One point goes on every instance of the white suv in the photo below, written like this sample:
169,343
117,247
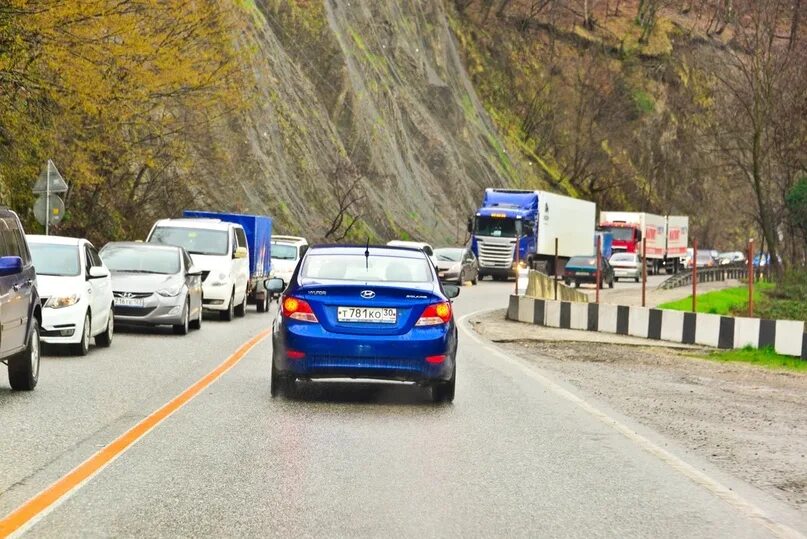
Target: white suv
219,250
286,252
76,291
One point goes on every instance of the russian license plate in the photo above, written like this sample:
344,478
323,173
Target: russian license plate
583,273
130,302
371,315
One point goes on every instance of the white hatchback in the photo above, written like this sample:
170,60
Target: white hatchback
76,291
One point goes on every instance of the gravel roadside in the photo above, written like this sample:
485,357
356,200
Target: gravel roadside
747,420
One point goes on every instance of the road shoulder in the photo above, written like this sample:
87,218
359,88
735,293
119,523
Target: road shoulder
747,421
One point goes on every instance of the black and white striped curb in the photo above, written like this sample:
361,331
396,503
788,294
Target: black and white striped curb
786,336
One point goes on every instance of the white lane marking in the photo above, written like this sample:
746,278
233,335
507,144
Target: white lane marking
745,507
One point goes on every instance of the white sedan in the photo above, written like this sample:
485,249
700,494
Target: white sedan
76,291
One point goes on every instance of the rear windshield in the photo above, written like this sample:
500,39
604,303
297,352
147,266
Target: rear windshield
375,268
133,259
196,241
284,252
51,259
623,258
582,261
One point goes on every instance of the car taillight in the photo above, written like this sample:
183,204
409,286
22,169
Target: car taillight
435,314
298,309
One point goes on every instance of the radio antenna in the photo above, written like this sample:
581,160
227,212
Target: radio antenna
367,254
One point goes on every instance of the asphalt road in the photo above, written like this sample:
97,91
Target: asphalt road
518,453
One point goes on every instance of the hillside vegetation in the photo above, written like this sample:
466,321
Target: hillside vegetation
354,120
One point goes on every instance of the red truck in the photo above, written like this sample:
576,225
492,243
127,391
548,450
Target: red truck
666,237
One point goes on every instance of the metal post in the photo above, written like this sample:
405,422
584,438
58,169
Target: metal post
751,277
555,270
598,277
518,251
47,199
644,273
695,275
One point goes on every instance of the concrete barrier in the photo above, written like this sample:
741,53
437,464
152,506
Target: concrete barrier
786,336
543,287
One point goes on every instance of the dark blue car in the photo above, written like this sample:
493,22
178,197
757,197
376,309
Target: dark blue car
365,312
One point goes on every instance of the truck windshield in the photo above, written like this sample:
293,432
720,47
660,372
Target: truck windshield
621,233
496,226
196,241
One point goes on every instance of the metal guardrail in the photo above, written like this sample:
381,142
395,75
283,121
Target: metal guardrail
708,275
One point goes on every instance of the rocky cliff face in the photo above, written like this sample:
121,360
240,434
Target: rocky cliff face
363,107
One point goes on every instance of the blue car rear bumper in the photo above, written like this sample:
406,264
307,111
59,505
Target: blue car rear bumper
387,357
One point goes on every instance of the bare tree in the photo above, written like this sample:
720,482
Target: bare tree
347,187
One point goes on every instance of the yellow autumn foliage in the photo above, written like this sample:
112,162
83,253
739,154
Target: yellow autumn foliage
119,94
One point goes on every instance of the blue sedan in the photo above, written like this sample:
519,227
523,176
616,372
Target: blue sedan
365,312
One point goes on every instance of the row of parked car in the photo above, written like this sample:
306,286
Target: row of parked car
65,293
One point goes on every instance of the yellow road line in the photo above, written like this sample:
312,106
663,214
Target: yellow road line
36,507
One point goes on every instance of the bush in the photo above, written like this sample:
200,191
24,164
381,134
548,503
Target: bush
788,300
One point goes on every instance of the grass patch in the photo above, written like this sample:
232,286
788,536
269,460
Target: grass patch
762,357
724,302
788,300
644,101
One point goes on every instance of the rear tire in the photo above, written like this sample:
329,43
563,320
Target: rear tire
444,391
636,279
83,347
23,368
229,314
280,384
611,283
104,340
241,310
577,284
182,329
262,305
475,280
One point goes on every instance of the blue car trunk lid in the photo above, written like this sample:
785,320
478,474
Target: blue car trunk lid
408,299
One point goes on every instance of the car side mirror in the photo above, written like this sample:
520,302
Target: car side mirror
10,265
97,272
275,285
240,252
451,290
470,225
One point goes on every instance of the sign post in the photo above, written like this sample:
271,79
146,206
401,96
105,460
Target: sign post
695,275
598,277
751,278
518,251
50,183
555,270
644,273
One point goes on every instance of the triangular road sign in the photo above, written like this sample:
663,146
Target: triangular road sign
50,175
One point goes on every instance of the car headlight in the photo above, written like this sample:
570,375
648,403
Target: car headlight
57,302
170,292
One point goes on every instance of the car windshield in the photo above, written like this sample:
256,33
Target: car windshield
448,255
497,227
141,259
582,262
197,241
379,268
704,256
621,233
623,258
282,251
52,259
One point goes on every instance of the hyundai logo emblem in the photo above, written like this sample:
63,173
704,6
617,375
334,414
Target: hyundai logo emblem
368,294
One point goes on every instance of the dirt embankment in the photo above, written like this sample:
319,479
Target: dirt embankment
749,421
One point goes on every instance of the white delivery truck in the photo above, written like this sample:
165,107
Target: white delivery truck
677,242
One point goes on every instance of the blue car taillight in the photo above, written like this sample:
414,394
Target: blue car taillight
435,314
298,309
